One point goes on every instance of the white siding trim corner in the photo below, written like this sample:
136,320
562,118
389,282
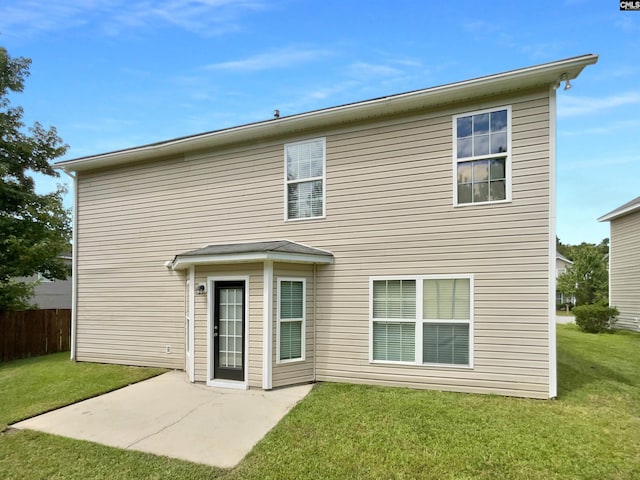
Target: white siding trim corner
267,314
553,357
74,269
191,333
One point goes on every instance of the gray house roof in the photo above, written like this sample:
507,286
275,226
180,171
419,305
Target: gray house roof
277,250
559,256
627,208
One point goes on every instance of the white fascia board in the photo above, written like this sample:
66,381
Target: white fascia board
619,213
186,262
539,75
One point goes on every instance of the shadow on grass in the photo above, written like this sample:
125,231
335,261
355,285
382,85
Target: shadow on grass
579,373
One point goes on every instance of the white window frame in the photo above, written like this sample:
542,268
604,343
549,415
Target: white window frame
303,332
456,160
287,182
420,321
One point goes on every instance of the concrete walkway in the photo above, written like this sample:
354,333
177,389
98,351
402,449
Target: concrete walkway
167,415
565,319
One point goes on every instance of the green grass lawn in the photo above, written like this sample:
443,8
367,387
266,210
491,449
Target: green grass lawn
347,431
36,385
592,431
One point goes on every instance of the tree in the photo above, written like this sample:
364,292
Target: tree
563,249
34,229
588,278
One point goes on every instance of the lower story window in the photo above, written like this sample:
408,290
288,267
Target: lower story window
291,319
394,341
422,320
445,343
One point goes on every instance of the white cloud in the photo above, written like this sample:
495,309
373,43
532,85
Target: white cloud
277,59
626,24
203,17
573,106
365,71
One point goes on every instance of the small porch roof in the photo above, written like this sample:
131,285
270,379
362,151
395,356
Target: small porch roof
275,250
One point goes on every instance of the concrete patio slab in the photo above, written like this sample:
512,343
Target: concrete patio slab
167,415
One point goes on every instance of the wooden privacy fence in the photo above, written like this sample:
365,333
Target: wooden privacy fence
30,333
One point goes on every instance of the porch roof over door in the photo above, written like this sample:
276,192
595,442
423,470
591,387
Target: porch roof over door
275,250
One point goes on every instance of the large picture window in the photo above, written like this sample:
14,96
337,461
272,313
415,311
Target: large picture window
422,320
291,319
482,156
305,179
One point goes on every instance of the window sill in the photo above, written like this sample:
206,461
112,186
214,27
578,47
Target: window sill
305,219
291,360
427,365
496,202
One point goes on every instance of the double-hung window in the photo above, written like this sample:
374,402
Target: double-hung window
305,179
482,156
394,320
422,320
446,317
291,319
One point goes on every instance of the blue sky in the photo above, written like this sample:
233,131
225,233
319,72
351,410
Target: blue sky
112,74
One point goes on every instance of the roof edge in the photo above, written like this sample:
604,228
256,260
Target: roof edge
626,209
551,73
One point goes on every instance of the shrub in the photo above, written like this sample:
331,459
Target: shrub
595,318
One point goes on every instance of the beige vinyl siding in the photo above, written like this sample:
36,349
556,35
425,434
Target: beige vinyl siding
389,206
625,270
294,372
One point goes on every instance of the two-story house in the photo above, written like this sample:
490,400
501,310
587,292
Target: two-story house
407,240
624,263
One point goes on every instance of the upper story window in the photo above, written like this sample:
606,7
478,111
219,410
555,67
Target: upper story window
305,179
482,156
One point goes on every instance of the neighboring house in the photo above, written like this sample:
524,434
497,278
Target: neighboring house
624,263
419,251
52,294
562,263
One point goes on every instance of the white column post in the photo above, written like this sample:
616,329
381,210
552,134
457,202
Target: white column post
267,319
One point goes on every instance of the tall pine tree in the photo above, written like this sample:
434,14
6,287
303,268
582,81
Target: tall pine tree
34,229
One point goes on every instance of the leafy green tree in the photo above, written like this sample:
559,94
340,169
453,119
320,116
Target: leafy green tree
563,249
34,229
588,278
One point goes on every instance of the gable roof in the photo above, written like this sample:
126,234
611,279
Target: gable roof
277,250
549,74
627,208
559,256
